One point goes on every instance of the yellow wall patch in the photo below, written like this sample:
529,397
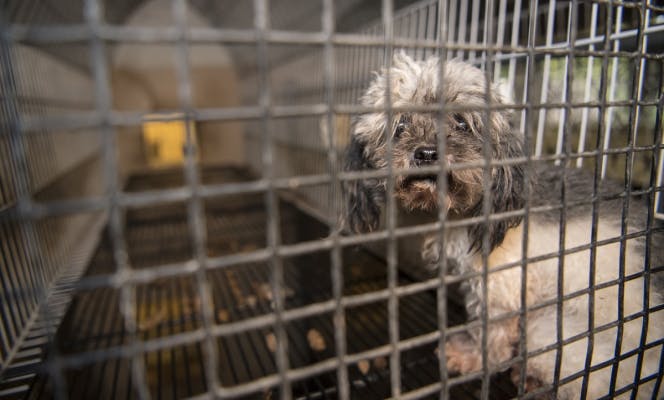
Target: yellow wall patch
164,141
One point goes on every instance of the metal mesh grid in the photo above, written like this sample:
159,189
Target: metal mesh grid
324,106
171,306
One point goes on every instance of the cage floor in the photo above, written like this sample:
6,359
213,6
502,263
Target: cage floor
170,306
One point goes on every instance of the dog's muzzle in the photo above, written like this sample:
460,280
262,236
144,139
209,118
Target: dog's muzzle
423,157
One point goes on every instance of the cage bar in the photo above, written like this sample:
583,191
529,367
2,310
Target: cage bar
231,273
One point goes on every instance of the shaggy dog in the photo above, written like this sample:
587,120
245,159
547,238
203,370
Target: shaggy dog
593,252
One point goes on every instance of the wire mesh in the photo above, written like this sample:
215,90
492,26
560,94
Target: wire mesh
232,281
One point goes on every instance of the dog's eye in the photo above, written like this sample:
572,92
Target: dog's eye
401,126
461,123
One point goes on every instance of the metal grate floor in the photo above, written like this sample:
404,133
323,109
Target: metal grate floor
159,235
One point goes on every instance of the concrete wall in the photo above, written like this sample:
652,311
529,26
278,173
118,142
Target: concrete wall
152,70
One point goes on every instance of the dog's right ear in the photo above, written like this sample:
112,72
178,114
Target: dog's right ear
362,196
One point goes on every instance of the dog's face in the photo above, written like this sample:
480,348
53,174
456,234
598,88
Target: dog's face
413,141
415,145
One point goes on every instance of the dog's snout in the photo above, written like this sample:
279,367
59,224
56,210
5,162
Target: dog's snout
426,155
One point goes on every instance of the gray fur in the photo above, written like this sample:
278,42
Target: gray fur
416,83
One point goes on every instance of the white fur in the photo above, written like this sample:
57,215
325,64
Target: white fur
504,296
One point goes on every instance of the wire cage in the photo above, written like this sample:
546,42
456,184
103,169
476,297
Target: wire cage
171,203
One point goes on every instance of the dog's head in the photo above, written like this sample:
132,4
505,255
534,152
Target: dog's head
468,128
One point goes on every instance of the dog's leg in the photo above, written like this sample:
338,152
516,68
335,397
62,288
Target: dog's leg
464,354
464,350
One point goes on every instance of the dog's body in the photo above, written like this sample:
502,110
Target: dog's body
469,132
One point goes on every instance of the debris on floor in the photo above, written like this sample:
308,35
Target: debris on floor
271,342
150,321
223,315
380,362
363,366
316,340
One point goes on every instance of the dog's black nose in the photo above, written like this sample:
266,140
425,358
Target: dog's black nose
426,155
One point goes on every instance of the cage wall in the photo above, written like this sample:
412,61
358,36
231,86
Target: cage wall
172,197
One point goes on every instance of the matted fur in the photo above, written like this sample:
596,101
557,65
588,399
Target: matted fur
415,83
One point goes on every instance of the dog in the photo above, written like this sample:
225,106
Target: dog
555,284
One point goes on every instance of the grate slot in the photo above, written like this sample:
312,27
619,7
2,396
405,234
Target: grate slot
111,369
194,352
99,334
251,345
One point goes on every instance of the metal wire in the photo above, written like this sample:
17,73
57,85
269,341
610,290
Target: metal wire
637,91
261,22
393,301
103,105
194,203
340,337
441,293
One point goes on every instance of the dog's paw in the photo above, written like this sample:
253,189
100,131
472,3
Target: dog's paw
532,383
462,355
431,252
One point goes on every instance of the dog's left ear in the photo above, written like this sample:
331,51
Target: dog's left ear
362,196
508,186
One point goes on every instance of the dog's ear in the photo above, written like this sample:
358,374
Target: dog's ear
508,187
361,196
